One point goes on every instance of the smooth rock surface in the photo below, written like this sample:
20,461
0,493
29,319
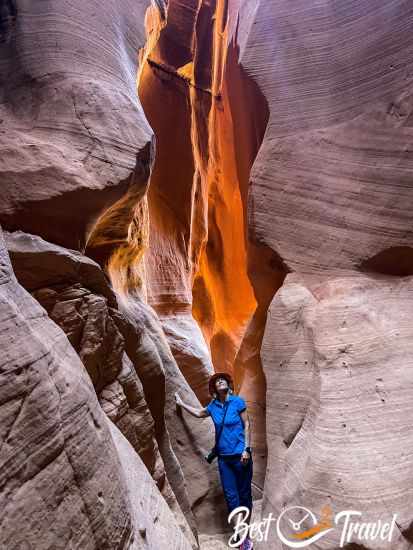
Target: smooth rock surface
61,481
154,524
190,351
183,440
337,355
76,294
331,198
73,136
331,185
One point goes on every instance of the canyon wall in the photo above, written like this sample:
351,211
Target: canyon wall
331,194
65,481
76,156
200,185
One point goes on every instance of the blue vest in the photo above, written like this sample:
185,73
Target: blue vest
232,440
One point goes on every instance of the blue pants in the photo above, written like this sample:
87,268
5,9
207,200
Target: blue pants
236,481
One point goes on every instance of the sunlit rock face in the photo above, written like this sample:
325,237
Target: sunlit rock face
177,196
200,263
331,196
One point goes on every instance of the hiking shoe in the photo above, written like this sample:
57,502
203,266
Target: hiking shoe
247,544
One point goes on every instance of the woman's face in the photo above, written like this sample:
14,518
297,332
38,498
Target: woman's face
221,384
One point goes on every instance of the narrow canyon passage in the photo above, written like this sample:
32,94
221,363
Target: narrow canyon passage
190,186
201,266
184,245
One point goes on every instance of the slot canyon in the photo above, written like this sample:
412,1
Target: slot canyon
192,186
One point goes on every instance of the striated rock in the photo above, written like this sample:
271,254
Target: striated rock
64,283
183,440
87,312
190,352
176,197
330,197
41,264
73,136
196,260
154,524
61,480
337,354
65,482
198,254
331,185
286,189
88,193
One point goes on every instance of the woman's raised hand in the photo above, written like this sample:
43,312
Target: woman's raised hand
178,399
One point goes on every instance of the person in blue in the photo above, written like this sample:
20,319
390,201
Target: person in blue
233,447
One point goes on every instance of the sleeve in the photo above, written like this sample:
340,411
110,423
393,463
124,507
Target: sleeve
208,409
241,404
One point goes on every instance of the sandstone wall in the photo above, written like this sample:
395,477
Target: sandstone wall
64,483
194,186
331,196
76,155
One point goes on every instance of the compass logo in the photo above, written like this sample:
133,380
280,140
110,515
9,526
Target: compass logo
297,526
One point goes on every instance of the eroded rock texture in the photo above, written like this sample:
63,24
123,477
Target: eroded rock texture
176,197
73,137
76,157
281,183
63,481
74,291
331,184
340,379
183,440
78,298
153,521
200,264
331,195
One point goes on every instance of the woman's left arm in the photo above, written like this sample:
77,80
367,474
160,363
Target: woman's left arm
246,455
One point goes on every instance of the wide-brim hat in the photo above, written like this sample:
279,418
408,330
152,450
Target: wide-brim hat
214,377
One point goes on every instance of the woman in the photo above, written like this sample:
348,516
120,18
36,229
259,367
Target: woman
232,442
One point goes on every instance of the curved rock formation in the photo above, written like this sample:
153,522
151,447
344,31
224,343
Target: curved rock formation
334,166
153,521
62,477
73,137
199,256
338,419
88,194
268,235
183,441
176,197
77,297
331,196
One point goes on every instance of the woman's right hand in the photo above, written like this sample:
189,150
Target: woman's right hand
178,399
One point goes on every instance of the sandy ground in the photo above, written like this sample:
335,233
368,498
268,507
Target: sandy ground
219,541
